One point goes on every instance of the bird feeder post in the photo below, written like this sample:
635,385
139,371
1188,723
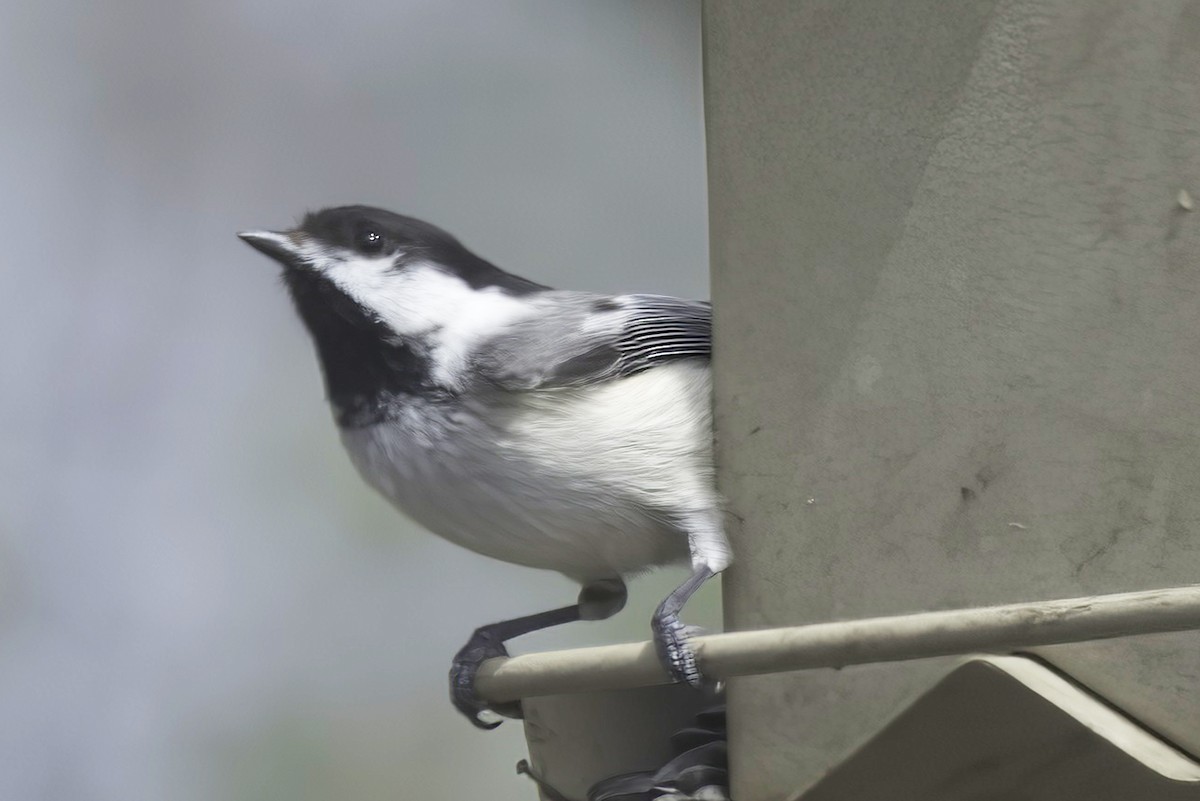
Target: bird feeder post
577,739
957,316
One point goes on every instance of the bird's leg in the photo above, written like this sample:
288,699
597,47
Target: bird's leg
671,636
597,600
488,642
710,555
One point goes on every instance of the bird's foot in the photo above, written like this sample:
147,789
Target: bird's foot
482,646
672,642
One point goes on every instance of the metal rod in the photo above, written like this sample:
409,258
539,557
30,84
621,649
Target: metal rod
994,629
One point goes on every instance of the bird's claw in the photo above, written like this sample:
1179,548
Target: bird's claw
671,641
482,646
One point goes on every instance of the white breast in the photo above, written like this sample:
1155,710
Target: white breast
590,482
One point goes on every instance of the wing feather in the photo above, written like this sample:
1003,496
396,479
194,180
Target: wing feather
662,329
581,339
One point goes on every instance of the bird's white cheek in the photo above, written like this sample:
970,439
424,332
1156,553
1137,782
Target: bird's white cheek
397,297
423,302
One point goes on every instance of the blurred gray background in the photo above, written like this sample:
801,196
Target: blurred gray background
198,598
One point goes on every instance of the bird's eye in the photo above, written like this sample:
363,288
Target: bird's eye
370,241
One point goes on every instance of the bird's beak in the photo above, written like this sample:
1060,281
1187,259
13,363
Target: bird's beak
282,246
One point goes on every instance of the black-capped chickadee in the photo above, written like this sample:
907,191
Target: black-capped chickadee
562,430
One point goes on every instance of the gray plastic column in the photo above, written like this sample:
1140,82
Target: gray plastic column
957,337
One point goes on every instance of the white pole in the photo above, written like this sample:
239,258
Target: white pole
830,645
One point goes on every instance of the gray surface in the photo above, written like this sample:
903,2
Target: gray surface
1002,729
958,336
577,740
199,599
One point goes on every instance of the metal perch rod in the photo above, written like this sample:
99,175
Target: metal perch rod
990,629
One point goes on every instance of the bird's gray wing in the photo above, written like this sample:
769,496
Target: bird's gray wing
579,339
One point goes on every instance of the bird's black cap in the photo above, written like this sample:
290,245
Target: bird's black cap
374,232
